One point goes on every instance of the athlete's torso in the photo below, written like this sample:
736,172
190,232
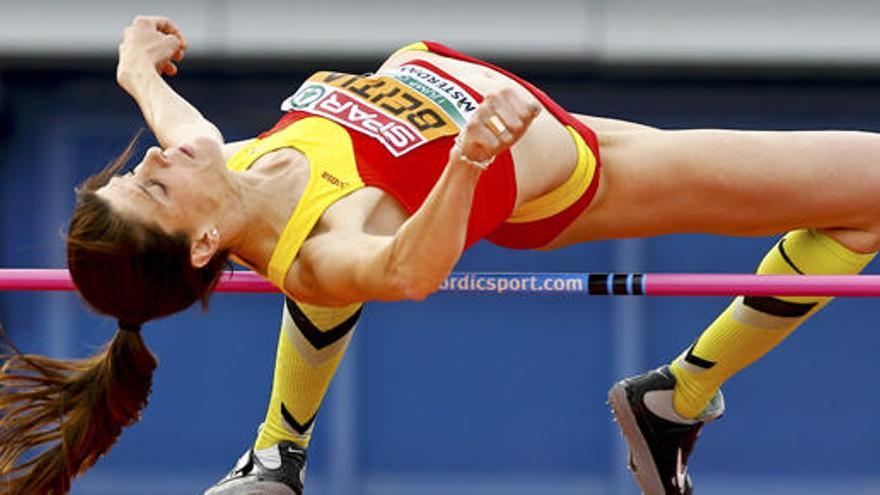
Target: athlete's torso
542,159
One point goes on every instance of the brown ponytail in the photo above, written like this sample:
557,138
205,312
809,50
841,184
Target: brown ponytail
73,410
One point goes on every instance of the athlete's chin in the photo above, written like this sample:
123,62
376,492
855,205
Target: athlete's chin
203,151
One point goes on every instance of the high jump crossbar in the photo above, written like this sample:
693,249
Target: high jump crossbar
648,284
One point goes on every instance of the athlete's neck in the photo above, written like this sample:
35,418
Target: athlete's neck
269,192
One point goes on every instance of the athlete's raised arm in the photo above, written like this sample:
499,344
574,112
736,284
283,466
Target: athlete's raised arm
344,267
150,47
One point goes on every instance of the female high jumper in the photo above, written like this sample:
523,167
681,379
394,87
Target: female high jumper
370,187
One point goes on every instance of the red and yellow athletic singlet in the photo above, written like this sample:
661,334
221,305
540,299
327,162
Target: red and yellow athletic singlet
393,130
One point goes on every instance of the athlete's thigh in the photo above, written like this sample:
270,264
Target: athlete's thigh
604,125
730,182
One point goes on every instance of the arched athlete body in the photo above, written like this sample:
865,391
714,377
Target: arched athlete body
370,187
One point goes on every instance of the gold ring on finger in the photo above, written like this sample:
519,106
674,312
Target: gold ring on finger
495,125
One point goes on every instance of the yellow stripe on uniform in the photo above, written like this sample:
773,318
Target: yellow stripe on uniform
565,195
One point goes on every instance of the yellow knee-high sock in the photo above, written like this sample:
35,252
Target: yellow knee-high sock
751,326
312,342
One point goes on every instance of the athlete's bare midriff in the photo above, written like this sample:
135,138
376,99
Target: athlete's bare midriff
544,157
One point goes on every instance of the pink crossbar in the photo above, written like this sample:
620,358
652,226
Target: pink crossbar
693,284
650,284
59,280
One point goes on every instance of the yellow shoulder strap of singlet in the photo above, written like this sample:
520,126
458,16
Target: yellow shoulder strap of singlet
244,157
333,175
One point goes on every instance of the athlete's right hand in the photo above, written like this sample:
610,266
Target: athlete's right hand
502,118
149,43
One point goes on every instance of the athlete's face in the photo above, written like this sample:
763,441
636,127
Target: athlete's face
180,189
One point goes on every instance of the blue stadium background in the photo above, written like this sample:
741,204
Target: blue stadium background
456,394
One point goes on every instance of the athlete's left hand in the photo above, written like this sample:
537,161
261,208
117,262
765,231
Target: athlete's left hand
149,43
499,122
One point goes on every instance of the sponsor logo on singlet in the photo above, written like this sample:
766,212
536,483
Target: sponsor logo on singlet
326,101
402,111
336,181
307,95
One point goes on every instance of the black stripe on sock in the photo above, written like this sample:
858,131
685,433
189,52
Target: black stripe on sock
696,360
778,307
313,334
637,284
302,429
618,284
597,284
782,252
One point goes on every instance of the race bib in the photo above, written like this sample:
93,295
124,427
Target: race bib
402,109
